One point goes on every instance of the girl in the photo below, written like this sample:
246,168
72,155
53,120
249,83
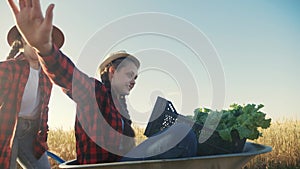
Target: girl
24,97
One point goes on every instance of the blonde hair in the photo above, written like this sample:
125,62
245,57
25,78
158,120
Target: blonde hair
15,49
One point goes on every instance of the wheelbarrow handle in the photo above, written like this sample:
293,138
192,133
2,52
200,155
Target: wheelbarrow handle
55,157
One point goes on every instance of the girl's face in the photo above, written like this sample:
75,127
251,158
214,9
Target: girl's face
123,78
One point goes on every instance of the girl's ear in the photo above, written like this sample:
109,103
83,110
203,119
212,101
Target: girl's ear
111,70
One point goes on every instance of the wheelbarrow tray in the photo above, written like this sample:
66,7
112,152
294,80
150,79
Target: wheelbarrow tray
222,161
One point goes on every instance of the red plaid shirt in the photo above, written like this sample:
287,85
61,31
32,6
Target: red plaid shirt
13,78
98,123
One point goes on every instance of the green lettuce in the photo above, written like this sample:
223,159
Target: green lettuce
245,119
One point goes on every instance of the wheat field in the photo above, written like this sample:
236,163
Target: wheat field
283,137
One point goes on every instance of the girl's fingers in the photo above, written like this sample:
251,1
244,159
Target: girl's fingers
22,4
49,15
36,4
28,3
13,6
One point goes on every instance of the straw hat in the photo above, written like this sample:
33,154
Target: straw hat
116,55
57,36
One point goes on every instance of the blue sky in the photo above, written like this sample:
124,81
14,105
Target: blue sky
257,43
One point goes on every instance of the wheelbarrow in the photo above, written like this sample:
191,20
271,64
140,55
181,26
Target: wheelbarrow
222,161
164,108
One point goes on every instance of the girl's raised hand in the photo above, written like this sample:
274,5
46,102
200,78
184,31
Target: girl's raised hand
34,27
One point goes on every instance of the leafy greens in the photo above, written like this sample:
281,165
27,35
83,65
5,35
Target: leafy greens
245,119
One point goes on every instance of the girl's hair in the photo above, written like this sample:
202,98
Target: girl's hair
117,64
15,48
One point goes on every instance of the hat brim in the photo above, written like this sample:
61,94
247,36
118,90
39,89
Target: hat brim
57,36
116,56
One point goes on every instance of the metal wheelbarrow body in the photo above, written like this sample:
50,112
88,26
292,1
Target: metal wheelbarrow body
223,161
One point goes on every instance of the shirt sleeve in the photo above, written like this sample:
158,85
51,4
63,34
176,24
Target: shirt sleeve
5,78
63,72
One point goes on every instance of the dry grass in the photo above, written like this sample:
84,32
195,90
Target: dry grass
283,137
62,143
